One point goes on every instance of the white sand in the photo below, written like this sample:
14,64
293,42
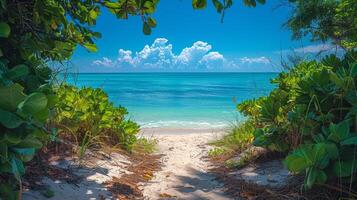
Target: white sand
184,174
94,173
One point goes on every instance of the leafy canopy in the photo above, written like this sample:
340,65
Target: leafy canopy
332,20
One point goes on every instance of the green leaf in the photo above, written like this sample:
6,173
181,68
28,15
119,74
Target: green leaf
315,176
344,168
4,30
26,154
296,163
318,151
90,47
311,177
30,142
353,71
332,150
218,5
24,151
339,131
34,103
321,176
152,22
350,141
10,120
199,4
11,96
17,72
146,29
12,138
93,14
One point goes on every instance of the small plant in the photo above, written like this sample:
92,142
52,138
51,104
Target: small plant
145,145
216,151
238,138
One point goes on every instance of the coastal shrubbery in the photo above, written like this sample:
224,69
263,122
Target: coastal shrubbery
86,116
311,116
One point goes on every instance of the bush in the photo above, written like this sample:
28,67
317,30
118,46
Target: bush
26,100
91,120
312,116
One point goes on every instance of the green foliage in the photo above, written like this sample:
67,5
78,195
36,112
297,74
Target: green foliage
216,151
325,20
312,114
145,145
92,120
238,138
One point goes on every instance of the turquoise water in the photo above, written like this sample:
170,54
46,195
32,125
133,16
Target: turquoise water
191,100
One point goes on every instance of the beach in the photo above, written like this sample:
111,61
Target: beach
185,168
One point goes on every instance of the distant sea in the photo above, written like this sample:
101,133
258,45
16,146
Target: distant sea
176,100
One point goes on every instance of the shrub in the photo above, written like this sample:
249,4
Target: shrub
92,120
26,99
312,115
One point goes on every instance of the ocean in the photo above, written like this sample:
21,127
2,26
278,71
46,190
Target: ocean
179,100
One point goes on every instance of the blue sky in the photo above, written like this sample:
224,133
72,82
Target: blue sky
249,40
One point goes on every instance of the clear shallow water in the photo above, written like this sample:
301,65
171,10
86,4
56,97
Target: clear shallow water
175,100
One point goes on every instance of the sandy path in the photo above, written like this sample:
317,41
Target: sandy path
184,174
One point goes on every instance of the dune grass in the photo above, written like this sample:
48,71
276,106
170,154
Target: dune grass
239,136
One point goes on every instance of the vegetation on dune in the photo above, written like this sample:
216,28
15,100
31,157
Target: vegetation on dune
91,120
311,115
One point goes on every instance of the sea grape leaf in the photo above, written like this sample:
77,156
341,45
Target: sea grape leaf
4,30
344,168
90,47
295,163
199,4
9,119
34,103
152,22
30,142
350,141
17,72
146,28
339,131
10,96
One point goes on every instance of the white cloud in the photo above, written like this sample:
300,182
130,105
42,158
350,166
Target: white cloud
194,53
213,60
106,62
159,55
261,60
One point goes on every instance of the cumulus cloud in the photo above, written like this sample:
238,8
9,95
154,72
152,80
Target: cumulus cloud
106,62
159,55
261,60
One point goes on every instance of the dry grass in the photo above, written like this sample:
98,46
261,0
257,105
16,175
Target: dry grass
142,169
